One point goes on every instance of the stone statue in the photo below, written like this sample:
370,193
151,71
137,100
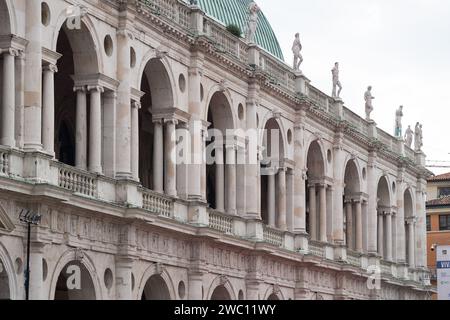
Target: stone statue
296,48
368,98
398,122
418,141
409,136
252,22
336,82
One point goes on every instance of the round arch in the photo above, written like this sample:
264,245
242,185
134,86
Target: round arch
220,106
352,177
8,279
86,262
316,159
223,287
88,58
408,204
275,123
384,192
152,271
273,294
8,20
164,67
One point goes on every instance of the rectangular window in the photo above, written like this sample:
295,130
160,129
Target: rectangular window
443,192
428,223
444,222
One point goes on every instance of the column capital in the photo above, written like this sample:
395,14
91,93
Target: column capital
79,88
171,121
50,68
411,220
136,105
96,88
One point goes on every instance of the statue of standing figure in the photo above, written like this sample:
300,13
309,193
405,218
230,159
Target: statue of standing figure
336,82
296,49
409,136
252,22
418,135
398,122
368,98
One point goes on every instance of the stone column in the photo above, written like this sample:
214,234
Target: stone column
271,198
95,130
9,94
337,216
36,272
158,157
380,234
420,232
20,99
231,179
123,120
48,109
33,79
220,179
281,223
109,133
349,225
290,200
195,286
323,213
184,154
372,205
400,236
411,243
135,107
124,290
170,158
312,213
389,217
359,227
81,129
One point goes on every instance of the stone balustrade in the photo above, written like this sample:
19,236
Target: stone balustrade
317,248
76,180
172,10
221,222
273,236
157,203
354,258
4,162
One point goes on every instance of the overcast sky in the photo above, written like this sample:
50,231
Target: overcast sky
400,47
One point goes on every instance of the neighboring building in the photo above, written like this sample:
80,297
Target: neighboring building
89,109
438,217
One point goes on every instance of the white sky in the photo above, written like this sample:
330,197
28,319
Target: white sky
400,47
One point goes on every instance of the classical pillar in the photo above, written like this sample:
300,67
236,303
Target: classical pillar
95,130
323,213
312,212
299,175
380,234
33,79
358,223
281,223
109,133
389,217
371,221
349,225
124,289
48,109
230,168
81,129
158,157
290,200
411,243
9,94
36,272
220,179
170,158
123,120
20,99
135,106
184,153
195,281
271,198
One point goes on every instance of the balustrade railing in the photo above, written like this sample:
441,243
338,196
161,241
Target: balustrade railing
157,203
224,40
386,268
317,96
317,248
354,258
76,180
173,10
4,162
272,236
221,222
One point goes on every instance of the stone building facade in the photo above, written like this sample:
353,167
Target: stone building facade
96,99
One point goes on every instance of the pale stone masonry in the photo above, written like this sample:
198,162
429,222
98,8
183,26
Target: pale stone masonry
93,113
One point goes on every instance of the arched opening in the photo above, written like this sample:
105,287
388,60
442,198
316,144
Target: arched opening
221,156
352,208
156,289
384,225
317,189
5,21
273,297
409,228
220,293
5,292
72,101
273,176
75,283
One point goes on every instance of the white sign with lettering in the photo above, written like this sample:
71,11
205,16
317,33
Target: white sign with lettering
443,272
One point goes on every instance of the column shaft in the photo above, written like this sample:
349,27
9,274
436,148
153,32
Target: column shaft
281,223
220,180
312,213
271,199
349,224
95,131
158,157
170,160
231,179
411,245
323,213
380,234
135,140
389,237
358,222
9,93
48,109
81,130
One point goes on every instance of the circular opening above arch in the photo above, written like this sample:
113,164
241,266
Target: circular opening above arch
202,92
364,173
289,136
108,278
132,57
45,14
241,295
182,83
109,46
133,281
19,266
44,269
181,290
241,112
329,156
394,187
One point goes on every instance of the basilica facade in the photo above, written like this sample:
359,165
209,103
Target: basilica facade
110,110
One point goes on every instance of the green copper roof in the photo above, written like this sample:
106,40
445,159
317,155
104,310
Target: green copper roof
236,12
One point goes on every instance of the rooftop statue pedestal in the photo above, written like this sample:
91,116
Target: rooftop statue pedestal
338,104
301,83
373,133
253,55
